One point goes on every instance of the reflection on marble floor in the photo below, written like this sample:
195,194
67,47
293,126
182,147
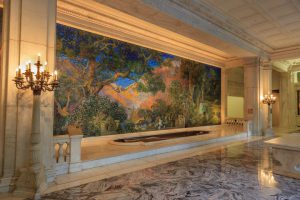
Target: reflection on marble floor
236,172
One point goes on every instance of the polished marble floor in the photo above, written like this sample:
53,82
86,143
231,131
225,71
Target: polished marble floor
234,172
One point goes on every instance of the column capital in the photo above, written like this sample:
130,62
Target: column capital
284,74
224,71
250,61
266,64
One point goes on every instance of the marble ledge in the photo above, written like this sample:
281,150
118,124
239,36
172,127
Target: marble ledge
101,147
288,141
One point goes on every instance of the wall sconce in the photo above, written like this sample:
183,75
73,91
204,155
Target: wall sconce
269,100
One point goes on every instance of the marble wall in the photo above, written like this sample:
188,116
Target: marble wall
235,93
276,92
235,83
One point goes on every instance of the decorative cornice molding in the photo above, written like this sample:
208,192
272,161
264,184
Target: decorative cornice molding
97,18
294,68
286,65
238,62
245,62
281,66
286,53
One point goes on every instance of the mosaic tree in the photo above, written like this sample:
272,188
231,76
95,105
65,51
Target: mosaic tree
96,61
103,60
109,86
203,83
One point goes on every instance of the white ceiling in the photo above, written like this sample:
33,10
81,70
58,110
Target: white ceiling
274,23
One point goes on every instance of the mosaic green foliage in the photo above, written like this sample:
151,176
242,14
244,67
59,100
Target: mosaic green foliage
109,87
94,112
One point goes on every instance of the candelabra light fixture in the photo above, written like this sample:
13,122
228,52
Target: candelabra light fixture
36,77
269,99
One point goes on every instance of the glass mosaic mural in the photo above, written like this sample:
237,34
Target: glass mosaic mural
109,86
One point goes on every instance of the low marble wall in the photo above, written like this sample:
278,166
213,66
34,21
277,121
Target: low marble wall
168,146
286,162
285,153
113,137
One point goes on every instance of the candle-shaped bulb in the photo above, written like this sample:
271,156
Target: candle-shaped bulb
34,70
23,69
19,72
39,56
29,65
45,66
17,69
55,75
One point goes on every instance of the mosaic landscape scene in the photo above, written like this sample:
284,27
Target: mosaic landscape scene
109,86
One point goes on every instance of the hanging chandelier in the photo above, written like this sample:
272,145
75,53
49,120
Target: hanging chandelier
36,77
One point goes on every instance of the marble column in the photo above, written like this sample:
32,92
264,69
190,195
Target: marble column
29,28
224,77
266,88
251,92
291,100
284,98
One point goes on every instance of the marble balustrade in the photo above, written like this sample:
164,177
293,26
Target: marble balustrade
67,153
247,124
